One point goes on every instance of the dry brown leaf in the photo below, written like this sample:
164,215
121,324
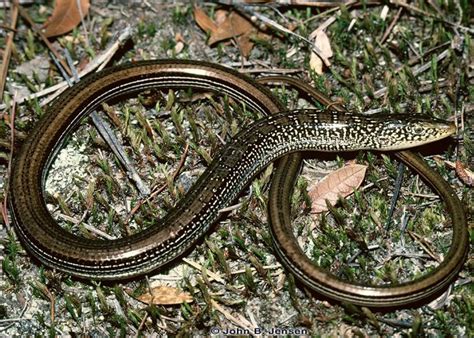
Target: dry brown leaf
233,26
226,26
464,173
66,16
245,44
204,21
341,182
221,16
165,295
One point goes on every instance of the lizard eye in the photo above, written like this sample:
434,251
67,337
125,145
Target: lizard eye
416,129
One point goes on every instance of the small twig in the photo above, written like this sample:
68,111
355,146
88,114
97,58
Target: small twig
395,323
279,27
435,7
210,274
20,317
24,14
242,322
45,291
153,9
106,133
8,50
86,226
272,71
109,137
8,28
416,10
98,63
417,58
396,193
337,9
322,27
424,244
230,208
142,324
61,70
4,208
8,320
427,65
161,188
390,27
422,195
83,23
381,92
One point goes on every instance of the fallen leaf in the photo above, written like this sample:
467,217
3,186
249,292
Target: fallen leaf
384,13
178,37
227,25
322,42
178,48
315,63
340,183
221,16
245,44
165,295
204,21
66,16
464,173
233,26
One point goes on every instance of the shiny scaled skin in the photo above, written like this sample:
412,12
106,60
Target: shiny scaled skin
280,135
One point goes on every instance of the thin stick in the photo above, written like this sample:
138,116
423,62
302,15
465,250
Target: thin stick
8,28
416,71
86,32
4,208
279,27
396,193
107,134
424,13
86,226
24,14
160,189
97,63
390,27
109,137
308,3
272,71
20,317
8,50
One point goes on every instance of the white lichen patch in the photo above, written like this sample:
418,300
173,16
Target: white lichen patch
69,165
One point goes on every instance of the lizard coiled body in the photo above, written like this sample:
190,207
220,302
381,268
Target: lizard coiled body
279,134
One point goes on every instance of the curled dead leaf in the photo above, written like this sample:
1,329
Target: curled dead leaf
204,21
233,26
67,14
466,175
339,183
227,25
165,295
316,61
